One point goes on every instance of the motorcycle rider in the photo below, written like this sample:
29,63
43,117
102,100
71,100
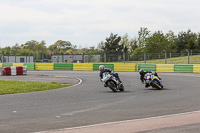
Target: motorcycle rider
103,69
142,75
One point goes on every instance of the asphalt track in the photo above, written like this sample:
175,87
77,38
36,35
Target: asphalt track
91,107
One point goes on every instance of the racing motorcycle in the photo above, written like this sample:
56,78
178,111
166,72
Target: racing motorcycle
112,82
153,81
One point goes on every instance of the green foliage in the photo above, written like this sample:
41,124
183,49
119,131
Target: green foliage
112,44
151,43
143,35
156,43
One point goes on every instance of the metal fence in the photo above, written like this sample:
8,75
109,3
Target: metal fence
187,57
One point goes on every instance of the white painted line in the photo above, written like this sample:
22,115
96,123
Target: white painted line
80,81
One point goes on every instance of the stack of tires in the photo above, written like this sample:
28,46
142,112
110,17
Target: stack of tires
14,70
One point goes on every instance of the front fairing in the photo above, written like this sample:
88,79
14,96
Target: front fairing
149,78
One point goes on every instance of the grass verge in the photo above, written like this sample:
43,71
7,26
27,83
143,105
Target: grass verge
11,87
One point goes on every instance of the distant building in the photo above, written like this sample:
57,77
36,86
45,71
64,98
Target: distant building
74,58
17,59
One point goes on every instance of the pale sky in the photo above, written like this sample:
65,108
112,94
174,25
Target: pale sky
88,22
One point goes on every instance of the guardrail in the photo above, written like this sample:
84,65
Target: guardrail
188,68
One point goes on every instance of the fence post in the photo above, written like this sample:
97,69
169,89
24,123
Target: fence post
124,57
144,56
165,56
188,56
15,57
88,57
104,57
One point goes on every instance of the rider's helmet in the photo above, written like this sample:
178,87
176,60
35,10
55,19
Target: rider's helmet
101,68
141,72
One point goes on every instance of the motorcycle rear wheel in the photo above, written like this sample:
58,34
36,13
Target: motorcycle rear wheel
111,85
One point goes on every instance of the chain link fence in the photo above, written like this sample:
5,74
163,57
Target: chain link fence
185,57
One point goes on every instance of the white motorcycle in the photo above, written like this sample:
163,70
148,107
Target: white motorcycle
112,82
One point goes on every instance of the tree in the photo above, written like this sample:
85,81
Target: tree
171,46
144,33
133,44
101,45
60,47
30,44
15,49
156,43
112,44
6,50
186,40
125,43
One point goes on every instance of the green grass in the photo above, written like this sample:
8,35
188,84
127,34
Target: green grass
11,87
195,59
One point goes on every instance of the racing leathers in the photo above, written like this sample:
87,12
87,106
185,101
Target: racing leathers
142,76
110,72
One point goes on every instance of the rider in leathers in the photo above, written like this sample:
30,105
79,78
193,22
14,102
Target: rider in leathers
103,69
142,74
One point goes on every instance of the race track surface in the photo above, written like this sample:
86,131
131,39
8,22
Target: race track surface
89,103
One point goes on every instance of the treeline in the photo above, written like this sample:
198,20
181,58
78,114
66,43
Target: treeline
150,42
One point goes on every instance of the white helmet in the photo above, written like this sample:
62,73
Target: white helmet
101,67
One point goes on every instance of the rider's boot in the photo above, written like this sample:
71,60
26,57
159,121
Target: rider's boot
146,85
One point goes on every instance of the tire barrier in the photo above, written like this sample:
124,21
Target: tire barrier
14,70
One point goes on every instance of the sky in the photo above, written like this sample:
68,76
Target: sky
86,23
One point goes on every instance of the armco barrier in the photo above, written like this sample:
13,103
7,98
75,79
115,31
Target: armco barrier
190,68
83,67
183,68
196,68
164,67
30,66
7,64
147,67
18,64
96,66
125,67
63,66
44,66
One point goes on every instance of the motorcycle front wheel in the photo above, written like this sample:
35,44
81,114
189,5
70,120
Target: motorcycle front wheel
121,88
157,84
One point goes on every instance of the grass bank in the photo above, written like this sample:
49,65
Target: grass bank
11,87
194,59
